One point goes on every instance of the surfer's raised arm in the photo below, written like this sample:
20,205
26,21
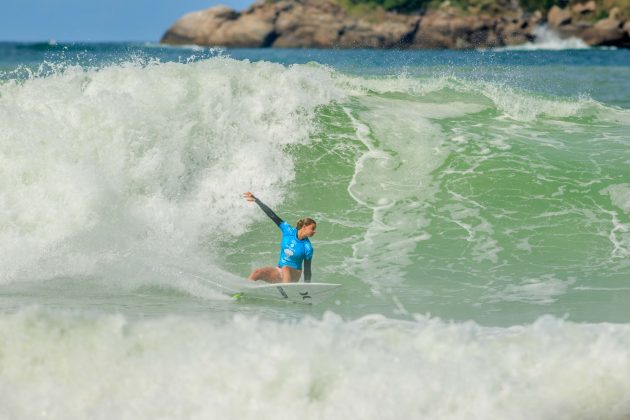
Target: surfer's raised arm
273,216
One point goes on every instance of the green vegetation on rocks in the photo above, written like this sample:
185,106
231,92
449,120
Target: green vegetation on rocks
475,6
396,5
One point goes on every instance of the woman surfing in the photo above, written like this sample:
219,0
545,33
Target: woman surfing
295,249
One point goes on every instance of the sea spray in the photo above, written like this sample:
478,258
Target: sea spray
132,158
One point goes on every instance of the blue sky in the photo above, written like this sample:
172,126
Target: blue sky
96,20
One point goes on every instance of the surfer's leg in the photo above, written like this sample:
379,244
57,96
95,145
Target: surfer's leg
290,275
268,274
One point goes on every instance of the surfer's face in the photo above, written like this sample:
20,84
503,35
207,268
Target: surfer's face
309,230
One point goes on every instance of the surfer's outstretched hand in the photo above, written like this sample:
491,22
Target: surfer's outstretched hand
249,196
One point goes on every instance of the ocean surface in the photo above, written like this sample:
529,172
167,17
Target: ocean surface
475,205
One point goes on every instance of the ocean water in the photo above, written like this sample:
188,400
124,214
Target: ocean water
474,205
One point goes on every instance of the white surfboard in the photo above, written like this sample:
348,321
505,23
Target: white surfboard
305,293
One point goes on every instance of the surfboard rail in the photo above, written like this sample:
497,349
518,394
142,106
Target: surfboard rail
303,293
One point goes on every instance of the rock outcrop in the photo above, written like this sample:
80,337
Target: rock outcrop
326,24
578,22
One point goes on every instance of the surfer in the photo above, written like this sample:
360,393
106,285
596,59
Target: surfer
295,248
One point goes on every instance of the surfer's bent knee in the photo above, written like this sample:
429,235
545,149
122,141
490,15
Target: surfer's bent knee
268,274
290,274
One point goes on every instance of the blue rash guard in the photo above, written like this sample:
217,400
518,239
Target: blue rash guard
293,250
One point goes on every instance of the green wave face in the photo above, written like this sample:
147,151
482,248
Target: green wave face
462,198
468,199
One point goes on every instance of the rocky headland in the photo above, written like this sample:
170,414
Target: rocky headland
331,24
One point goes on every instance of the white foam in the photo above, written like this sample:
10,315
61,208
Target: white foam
393,179
619,234
542,290
522,106
619,195
547,39
479,231
74,366
400,83
514,103
524,245
133,159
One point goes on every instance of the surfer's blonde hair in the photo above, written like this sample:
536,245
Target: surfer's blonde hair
306,221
